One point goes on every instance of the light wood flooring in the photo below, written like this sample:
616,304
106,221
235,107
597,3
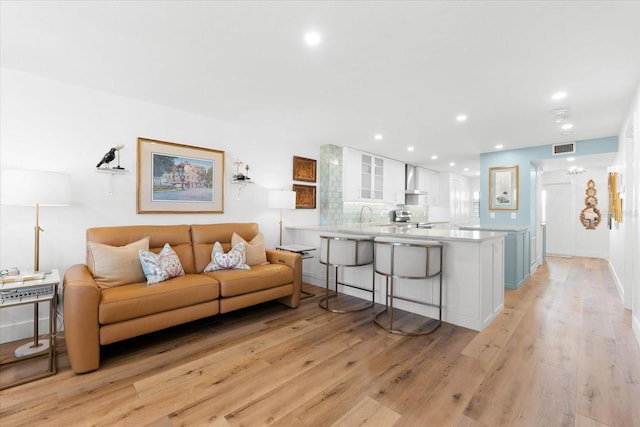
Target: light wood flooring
561,353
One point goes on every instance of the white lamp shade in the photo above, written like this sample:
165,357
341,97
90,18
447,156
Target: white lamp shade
31,187
282,199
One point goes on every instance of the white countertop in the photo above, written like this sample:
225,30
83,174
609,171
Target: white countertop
389,230
505,228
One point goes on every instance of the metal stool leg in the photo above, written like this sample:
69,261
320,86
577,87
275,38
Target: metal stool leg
390,280
324,302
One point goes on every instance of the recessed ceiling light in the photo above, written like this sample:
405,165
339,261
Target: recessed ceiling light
465,169
499,147
461,118
571,159
434,157
378,136
558,96
452,164
410,148
566,126
313,38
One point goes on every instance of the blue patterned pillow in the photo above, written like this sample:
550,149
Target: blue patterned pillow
232,260
161,267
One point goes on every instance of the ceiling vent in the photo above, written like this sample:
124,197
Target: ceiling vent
566,148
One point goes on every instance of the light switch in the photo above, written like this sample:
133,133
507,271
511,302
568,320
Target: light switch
513,215
492,215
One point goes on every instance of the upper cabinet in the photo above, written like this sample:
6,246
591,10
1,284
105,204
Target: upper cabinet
394,183
429,181
367,177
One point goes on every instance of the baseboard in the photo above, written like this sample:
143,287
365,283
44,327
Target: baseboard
21,330
618,284
635,325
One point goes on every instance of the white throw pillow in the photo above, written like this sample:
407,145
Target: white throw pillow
162,266
232,260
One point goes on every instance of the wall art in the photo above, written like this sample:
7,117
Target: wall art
177,178
503,188
304,169
305,196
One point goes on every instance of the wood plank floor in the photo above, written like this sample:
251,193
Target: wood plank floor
560,354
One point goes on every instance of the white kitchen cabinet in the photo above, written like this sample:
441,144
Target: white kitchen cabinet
367,177
394,181
429,181
460,198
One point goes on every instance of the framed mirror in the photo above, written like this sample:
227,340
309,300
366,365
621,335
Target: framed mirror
590,216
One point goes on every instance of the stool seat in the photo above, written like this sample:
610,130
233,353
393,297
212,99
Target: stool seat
339,250
402,258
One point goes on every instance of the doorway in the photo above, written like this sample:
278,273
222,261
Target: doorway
559,219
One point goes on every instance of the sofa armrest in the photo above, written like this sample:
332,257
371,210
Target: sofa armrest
294,261
81,329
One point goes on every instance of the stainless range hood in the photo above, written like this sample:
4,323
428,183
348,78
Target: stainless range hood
412,181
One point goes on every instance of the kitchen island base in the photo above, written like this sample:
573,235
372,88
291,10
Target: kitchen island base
473,279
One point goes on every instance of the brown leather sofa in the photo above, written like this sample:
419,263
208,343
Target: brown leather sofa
95,316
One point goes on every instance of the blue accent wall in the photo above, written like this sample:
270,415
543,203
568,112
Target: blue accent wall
527,204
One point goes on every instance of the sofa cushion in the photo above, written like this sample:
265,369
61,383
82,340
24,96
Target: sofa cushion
160,267
116,265
254,249
138,300
232,260
238,282
178,236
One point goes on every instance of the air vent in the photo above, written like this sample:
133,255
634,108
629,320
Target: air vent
567,148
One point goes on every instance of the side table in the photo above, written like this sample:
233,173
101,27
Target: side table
14,291
304,251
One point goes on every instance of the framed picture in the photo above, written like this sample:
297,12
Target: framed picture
503,188
305,196
177,178
304,169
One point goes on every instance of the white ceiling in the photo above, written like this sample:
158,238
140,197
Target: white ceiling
402,69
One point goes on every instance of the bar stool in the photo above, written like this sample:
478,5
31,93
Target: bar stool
397,258
345,250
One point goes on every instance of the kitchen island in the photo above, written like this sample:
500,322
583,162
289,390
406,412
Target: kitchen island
473,271
517,252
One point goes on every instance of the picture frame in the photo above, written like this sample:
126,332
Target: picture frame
304,169
305,196
503,188
177,178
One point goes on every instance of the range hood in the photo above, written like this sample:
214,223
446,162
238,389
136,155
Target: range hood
412,181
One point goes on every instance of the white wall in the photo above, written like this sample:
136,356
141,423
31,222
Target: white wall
586,243
49,125
624,238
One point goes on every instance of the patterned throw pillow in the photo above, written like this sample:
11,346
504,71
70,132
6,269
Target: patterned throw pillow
232,260
161,267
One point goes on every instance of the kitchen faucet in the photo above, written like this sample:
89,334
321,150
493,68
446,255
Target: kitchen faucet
362,213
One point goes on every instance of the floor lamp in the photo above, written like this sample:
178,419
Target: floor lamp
35,188
282,199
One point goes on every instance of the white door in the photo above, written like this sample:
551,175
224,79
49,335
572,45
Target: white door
559,218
